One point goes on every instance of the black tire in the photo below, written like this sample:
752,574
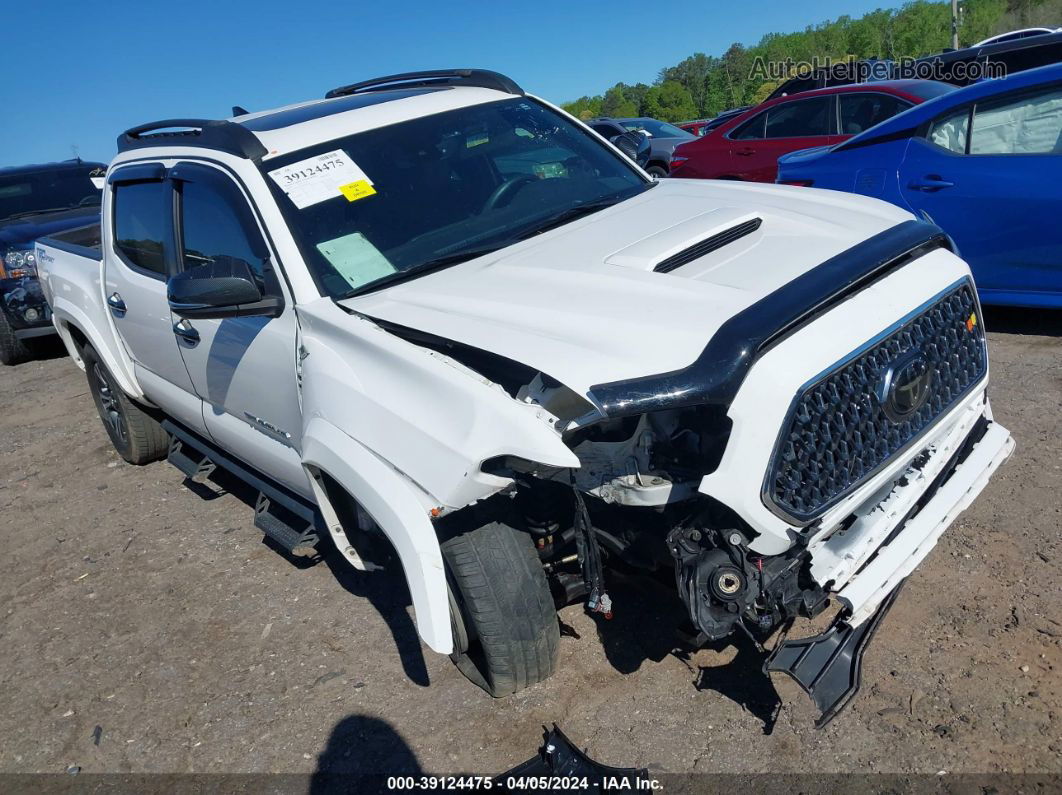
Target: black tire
657,172
506,635
135,434
12,349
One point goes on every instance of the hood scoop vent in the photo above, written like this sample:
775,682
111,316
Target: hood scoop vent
708,245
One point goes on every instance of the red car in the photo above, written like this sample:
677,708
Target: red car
748,146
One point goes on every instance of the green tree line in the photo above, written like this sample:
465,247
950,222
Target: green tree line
703,85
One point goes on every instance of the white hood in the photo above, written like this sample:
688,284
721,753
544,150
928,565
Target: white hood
582,304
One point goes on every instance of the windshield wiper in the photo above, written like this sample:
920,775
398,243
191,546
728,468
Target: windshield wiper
430,266
577,211
566,216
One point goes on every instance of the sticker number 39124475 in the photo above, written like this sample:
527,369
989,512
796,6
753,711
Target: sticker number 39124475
322,177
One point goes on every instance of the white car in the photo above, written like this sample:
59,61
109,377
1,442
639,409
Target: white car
1015,35
439,321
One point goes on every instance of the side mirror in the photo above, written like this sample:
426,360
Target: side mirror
225,287
635,145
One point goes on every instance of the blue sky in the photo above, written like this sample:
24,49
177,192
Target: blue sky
78,73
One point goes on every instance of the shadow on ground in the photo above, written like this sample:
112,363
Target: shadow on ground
361,753
1019,320
645,627
385,589
743,681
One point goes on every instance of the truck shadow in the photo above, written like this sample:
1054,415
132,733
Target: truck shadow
645,627
385,590
743,681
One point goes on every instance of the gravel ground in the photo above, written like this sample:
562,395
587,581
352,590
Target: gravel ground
148,628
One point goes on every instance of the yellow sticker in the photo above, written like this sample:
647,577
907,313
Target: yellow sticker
357,190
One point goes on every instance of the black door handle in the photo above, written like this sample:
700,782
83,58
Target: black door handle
117,305
186,331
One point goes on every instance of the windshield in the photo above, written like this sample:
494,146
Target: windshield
52,189
657,129
395,202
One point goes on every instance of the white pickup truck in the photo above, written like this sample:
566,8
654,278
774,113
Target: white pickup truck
437,321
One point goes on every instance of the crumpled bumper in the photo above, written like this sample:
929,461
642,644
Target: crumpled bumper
910,520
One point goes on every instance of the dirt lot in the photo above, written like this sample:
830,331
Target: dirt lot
145,628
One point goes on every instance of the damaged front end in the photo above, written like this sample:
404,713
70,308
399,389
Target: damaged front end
763,494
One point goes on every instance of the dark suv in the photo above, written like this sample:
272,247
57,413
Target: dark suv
36,201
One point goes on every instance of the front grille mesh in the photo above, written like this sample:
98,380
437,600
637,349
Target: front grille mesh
837,434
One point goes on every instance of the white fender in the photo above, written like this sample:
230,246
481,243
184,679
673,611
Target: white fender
66,315
394,505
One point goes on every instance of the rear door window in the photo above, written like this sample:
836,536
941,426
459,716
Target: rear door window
950,131
801,118
142,213
750,130
861,111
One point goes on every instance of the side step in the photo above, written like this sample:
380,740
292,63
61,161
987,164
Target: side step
286,518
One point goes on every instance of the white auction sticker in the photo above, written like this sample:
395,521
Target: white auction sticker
323,177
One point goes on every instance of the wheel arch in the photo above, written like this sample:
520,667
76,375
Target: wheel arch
76,331
397,507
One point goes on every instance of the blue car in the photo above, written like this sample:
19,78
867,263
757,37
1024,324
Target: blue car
984,163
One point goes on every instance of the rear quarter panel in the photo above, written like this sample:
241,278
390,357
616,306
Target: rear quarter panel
72,283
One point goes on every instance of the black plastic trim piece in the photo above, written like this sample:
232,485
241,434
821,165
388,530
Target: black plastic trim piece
717,374
480,78
34,331
139,172
559,759
218,135
708,245
828,667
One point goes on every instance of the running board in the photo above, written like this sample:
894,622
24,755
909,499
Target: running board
828,666
289,520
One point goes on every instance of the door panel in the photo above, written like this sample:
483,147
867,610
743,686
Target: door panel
1001,207
135,284
244,368
784,128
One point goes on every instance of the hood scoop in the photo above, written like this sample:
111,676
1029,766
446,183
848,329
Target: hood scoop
675,246
708,245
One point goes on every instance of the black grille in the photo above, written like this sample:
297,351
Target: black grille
708,245
838,433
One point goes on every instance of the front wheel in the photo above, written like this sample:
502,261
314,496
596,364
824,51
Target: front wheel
135,434
506,635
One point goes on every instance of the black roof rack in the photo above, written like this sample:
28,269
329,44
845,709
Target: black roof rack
221,136
480,78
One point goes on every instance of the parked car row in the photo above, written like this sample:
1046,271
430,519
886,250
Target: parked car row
1013,52
442,325
747,145
983,162
663,138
